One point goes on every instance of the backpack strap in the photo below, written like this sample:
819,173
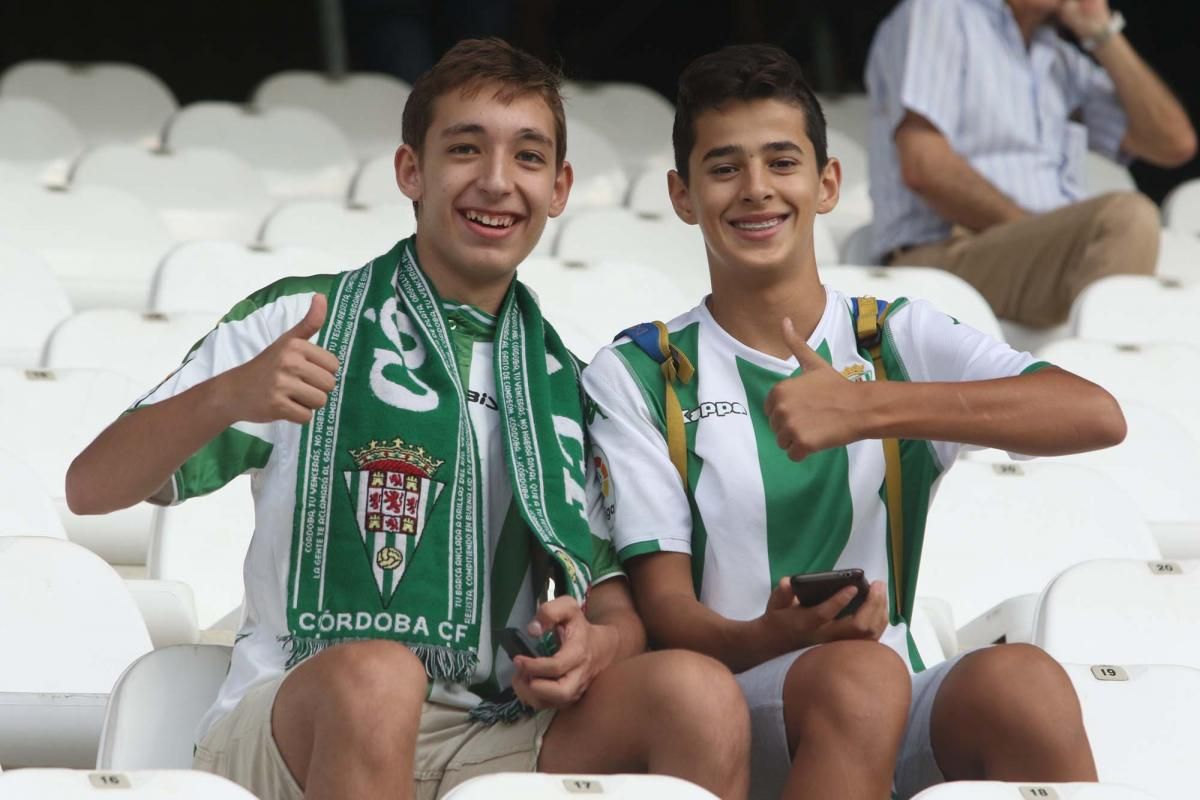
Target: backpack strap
869,315
652,339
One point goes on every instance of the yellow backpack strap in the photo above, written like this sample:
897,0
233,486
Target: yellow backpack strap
869,315
652,338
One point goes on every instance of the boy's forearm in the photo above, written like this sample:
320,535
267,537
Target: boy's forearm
684,622
1047,413
133,458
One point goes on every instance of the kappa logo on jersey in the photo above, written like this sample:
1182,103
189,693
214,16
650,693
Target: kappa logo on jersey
482,398
393,492
717,409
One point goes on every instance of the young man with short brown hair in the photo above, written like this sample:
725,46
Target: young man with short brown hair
415,432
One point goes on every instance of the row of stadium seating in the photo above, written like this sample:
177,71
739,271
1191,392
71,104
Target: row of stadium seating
106,288
95,697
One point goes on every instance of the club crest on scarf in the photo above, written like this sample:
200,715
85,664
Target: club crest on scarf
392,493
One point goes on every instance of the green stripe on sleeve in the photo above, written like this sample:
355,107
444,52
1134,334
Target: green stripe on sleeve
639,549
228,455
1036,366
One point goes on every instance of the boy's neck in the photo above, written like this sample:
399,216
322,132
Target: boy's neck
452,284
752,311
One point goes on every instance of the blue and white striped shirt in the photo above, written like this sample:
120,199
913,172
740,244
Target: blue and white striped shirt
1021,117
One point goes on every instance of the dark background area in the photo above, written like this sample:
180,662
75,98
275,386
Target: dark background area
221,49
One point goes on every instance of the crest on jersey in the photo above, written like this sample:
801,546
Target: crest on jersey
393,493
856,373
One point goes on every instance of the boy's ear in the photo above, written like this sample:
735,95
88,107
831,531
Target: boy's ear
681,199
830,187
564,179
408,172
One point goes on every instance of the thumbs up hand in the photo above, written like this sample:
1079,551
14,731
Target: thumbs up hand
288,380
816,409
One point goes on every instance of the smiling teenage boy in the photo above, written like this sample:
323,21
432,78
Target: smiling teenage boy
785,472
399,525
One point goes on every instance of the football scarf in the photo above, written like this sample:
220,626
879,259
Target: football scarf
388,536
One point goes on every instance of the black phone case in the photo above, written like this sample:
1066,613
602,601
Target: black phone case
815,588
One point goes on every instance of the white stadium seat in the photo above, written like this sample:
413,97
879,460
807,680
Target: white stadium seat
107,102
1143,723
203,544
168,609
849,113
37,139
1178,256
600,179
1181,208
366,106
61,411
78,628
996,532
351,235
26,507
539,786
1101,174
102,244
1158,464
31,305
1163,375
998,790
648,193
200,193
597,299
611,109
615,234
66,784
147,347
213,276
156,705
1118,611
299,153
1135,309
375,183
949,293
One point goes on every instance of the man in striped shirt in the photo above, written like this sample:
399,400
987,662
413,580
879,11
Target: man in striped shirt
980,116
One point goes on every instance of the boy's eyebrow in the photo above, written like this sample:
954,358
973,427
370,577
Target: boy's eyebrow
783,146
474,128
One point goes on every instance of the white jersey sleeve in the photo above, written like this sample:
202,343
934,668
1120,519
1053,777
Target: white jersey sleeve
644,505
935,347
240,336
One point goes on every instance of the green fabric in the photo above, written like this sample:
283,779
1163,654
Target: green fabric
389,495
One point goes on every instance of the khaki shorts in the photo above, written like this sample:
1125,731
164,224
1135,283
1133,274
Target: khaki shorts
451,748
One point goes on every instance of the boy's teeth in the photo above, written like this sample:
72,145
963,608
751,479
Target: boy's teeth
490,220
759,226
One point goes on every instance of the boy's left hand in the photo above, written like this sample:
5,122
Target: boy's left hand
816,409
584,651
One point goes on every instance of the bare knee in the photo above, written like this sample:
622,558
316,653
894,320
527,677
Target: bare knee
848,688
1013,686
371,688
698,687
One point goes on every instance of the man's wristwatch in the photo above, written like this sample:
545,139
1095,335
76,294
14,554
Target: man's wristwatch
1116,24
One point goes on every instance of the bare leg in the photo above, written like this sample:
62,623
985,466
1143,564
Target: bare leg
670,712
346,720
845,707
1010,713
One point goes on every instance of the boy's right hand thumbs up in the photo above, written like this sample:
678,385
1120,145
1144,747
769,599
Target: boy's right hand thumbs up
290,379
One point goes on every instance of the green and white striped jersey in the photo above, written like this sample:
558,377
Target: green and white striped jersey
750,515
269,452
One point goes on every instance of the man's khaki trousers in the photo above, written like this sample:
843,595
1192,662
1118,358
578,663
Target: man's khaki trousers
1031,270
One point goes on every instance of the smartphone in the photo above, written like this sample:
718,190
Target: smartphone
814,588
516,642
